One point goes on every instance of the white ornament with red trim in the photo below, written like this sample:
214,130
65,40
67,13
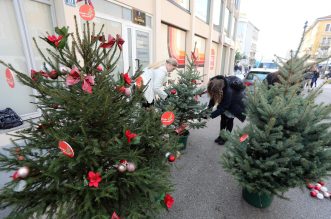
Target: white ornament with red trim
121,168
23,172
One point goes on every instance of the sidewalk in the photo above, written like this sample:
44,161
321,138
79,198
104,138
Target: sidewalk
204,190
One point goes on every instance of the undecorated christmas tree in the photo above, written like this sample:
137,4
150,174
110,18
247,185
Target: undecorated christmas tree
287,140
95,153
183,100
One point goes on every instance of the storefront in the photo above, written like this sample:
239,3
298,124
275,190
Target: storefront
152,30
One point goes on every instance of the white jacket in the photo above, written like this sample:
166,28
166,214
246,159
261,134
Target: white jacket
154,79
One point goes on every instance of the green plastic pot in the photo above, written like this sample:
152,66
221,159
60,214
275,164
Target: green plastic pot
257,200
183,140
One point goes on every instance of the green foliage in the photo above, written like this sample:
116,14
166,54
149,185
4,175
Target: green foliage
94,124
182,100
289,137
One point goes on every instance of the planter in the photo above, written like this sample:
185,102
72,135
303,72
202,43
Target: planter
183,140
257,200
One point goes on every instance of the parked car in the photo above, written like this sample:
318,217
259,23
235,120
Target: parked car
257,75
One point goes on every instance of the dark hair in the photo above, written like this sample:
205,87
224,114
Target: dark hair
272,78
215,89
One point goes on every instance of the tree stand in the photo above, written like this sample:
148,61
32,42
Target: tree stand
183,140
257,200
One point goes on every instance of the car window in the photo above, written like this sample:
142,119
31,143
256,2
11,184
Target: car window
256,75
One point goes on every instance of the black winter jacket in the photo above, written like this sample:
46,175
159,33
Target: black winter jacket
232,101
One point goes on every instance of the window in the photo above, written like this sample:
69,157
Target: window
237,4
226,20
217,15
328,28
217,12
202,9
113,28
172,44
16,29
200,53
185,4
233,22
213,59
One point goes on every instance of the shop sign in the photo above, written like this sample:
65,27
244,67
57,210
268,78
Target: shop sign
138,17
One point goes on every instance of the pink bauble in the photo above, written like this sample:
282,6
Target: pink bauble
127,91
131,167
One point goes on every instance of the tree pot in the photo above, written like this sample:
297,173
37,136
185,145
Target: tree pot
257,200
183,140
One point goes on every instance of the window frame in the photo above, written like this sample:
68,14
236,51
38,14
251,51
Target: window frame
328,28
181,7
27,42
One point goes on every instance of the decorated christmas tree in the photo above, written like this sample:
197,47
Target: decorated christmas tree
287,140
183,99
95,153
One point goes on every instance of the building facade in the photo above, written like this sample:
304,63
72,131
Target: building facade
152,30
247,37
317,39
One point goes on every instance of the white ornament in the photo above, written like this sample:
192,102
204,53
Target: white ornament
320,196
167,154
324,189
23,172
130,167
326,194
121,168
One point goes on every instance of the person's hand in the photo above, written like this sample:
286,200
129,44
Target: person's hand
213,114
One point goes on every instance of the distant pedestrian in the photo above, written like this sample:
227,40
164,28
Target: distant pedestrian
227,102
315,75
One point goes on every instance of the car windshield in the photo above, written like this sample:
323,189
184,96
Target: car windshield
268,65
256,75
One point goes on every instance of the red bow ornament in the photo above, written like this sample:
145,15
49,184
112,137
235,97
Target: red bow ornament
119,41
88,83
109,44
75,76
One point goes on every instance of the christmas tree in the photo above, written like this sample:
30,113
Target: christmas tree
183,99
286,142
95,153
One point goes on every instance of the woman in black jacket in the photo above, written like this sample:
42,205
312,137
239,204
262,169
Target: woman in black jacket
228,102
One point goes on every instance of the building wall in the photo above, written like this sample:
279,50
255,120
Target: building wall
313,44
191,26
247,38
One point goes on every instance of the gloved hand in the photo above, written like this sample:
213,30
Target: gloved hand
214,114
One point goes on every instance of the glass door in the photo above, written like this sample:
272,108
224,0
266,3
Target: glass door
138,48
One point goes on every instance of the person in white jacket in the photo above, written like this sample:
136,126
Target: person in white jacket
155,76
